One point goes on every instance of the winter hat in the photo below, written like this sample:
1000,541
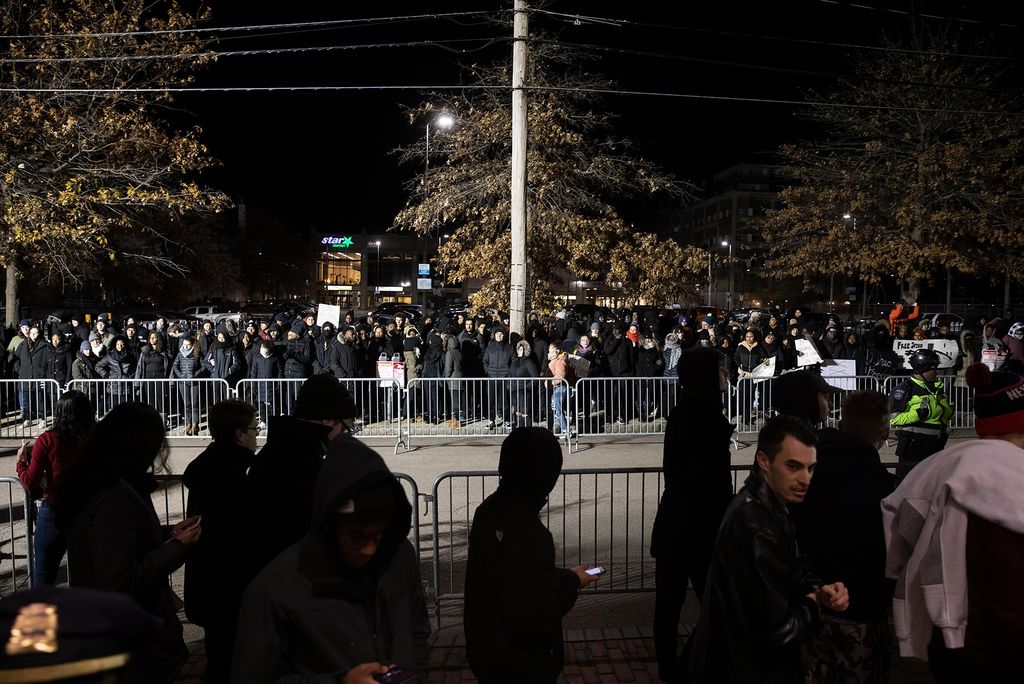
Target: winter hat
698,371
323,397
998,400
671,338
94,336
299,328
710,320
102,317
377,499
24,321
84,347
273,327
595,327
796,394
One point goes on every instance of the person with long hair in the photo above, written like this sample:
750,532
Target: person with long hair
103,505
41,464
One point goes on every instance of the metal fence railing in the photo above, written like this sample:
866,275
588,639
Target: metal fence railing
26,406
752,402
181,403
598,516
478,407
16,552
623,406
378,402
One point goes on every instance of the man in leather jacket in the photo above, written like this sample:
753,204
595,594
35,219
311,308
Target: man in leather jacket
761,600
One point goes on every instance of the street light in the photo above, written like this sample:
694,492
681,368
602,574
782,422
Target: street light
444,122
376,243
728,297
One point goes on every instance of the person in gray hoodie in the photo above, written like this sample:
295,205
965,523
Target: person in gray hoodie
345,601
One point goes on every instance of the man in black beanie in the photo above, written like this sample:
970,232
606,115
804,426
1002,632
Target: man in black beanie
515,595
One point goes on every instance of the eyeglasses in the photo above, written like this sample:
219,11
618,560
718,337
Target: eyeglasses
254,428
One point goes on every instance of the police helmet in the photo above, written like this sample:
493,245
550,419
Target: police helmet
924,360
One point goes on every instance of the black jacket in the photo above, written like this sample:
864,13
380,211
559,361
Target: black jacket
214,581
497,359
115,543
453,359
153,364
309,617
433,358
265,367
755,612
285,471
839,523
223,361
55,364
748,358
472,354
30,359
515,594
698,482
117,365
298,357
621,356
649,363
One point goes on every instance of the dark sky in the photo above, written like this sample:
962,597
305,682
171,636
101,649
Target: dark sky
323,158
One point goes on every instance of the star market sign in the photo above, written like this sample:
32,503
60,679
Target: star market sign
336,242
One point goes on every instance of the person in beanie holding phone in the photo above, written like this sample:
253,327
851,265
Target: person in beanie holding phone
515,594
954,532
343,604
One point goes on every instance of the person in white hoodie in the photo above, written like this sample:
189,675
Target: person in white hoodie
954,532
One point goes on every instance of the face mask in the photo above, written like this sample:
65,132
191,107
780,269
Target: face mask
648,345
265,353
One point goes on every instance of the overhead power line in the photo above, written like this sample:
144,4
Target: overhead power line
254,27
427,87
923,15
443,44
579,19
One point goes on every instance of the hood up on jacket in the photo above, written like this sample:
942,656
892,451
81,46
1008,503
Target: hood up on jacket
350,469
530,463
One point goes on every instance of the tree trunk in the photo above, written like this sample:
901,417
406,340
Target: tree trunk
11,295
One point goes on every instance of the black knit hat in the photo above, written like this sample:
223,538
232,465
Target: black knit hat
998,400
323,397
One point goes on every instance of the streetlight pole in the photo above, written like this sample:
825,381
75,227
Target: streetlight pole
709,278
850,217
728,297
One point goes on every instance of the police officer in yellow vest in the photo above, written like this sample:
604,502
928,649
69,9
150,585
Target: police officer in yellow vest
920,410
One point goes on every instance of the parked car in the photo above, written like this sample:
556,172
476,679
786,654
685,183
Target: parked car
934,320
215,313
387,310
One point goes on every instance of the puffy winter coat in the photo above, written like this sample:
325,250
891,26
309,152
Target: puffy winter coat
153,364
497,359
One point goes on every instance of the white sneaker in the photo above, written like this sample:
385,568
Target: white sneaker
27,424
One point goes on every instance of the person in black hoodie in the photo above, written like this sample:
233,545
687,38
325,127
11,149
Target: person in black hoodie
516,596
524,392
56,361
839,529
265,368
698,489
285,469
103,505
497,360
119,364
154,364
345,602
215,480
433,369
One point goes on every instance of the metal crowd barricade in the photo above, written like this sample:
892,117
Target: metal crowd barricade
961,397
378,402
751,402
26,407
476,407
623,406
16,552
179,402
598,516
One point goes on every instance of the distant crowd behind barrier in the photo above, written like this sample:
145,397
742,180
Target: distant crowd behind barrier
579,375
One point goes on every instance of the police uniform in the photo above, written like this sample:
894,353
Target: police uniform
920,411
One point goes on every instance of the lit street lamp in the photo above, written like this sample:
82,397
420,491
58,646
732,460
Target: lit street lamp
728,296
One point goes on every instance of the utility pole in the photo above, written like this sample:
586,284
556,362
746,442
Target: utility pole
517,291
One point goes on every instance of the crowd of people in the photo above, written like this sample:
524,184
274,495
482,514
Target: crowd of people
797,574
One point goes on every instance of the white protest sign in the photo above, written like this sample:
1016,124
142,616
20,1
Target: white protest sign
328,313
993,358
393,371
947,350
764,371
840,374
806,353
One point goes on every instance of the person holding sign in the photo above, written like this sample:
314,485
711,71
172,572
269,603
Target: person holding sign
920,410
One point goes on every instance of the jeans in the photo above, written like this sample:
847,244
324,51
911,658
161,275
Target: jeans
49,547
558,406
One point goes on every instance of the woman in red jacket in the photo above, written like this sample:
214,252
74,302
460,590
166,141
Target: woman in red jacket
39,467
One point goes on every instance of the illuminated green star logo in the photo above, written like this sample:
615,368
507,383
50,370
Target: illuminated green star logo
346,242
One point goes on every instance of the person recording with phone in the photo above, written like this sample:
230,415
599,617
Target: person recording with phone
516,596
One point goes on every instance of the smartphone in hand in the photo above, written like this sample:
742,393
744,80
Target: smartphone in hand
595,571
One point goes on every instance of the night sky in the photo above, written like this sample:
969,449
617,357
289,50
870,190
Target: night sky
322,159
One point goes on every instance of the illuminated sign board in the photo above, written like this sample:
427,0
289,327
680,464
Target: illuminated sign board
424,284
423,270
336,241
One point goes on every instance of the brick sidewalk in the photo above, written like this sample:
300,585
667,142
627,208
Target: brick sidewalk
592,656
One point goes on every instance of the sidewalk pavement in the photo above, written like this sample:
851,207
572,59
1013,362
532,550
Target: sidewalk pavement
592,656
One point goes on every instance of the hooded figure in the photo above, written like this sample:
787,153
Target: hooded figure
515,595
348,593
698,489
